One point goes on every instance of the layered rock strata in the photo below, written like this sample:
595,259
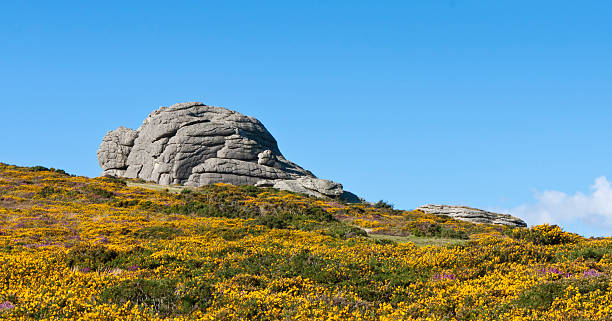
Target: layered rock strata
473,215
194,145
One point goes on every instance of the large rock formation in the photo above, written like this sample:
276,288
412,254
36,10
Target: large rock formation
473,215
193,144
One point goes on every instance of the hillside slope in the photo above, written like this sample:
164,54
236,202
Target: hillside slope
107,249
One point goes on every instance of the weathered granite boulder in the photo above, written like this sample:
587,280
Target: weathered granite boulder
115,149
193,144
473,215
306,185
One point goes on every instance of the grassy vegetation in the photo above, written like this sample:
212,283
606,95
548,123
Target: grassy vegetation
417,240
157,187
108,249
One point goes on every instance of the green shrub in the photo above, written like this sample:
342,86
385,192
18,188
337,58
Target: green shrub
272,221
100,257
200,208
39,169
230,233
100,192
115,181
344,231
589,253
542,296
158,295
197,295
311,266
91,257
454,233
44,169
544,234
250,190
317,213
126,203
384,242
48,191
427,229
384,205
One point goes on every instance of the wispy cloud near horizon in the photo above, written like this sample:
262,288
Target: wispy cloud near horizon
593,209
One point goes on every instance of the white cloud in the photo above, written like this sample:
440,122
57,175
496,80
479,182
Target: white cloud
553,207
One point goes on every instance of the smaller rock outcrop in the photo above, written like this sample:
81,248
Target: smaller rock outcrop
472,215
306,185
114,150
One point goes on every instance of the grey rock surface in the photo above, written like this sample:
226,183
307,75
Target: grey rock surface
193,144
114,150
306,185
473,215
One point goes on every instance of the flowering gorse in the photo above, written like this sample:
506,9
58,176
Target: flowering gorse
75,248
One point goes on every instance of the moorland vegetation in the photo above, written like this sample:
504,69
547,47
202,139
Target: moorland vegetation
109,249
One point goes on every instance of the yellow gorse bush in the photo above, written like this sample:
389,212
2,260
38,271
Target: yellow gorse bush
98,249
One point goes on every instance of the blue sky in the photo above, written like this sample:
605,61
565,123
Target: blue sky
494,104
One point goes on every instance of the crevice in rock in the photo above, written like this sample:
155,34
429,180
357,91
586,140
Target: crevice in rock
194,122
165,135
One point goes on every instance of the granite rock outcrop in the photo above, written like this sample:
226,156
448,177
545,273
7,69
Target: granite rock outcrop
473,215
194,144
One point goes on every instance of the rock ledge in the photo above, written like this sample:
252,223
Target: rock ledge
473,215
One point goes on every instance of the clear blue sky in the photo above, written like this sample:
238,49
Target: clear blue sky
480,103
